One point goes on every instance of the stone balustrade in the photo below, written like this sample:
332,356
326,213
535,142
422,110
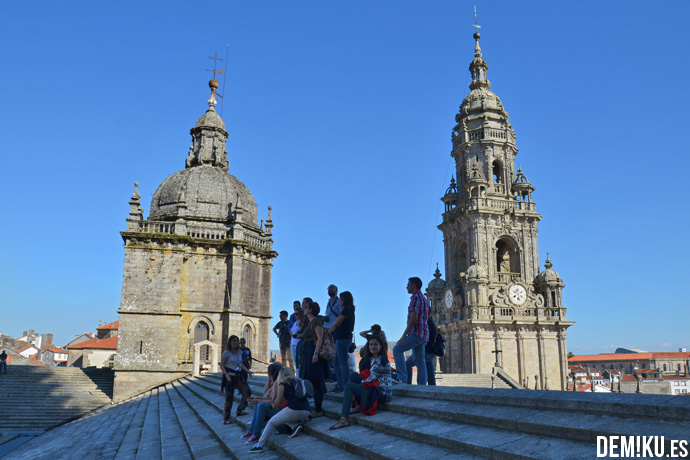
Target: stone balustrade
197,232
477,203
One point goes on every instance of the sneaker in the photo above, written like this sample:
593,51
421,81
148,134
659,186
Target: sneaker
295,431
396,381
257,449
246,435
338,390
253,440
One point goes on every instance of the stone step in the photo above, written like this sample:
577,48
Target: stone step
301,447
62,441
130,441
201,441
40,398
150,442
535,423
212,417
171,429
360,442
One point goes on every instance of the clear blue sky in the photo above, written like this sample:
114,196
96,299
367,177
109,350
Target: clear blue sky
339,116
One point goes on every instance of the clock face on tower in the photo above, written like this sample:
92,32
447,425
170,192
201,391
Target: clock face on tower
517,294
448,298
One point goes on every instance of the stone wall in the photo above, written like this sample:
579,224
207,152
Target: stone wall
131,383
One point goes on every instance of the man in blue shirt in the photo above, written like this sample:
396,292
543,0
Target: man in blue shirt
332,307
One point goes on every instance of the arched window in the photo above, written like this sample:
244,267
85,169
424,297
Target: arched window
247,335
201,331
497,172
507,257
459,259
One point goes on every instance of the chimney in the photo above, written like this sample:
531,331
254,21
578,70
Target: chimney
50,338
24,334
31,332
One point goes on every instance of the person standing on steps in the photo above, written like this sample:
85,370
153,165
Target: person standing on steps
429,357
341,330
312,367
282,331
330,315
296,328
231,365
246,354
3,362
416,334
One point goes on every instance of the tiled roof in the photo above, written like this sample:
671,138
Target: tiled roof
630,356
113,325
105,344
80,345
57,350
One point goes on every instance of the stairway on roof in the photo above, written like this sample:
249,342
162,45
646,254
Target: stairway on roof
38,398
183,420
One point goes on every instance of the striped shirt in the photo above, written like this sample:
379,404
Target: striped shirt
420,305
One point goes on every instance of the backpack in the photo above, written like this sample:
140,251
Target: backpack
303,388
439,345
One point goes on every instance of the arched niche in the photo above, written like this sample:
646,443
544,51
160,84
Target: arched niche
507,256
497,172
459,258
248,333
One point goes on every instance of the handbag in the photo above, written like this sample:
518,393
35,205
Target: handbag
327,350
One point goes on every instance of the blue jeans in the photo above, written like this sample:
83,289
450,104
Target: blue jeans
262,413
430,365
295,357
342,370
417,345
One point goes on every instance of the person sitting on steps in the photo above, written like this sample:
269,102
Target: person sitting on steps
263,407
374,380
296,411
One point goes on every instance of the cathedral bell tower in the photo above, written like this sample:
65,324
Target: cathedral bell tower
496,307
196,271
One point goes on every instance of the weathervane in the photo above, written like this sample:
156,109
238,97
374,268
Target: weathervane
215,71
215,59
475,25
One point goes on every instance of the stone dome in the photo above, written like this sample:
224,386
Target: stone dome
206,193
436,284
210,119
476,271
549,275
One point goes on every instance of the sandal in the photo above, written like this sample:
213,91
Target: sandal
355,410
228,422
317,414
342,423
240,413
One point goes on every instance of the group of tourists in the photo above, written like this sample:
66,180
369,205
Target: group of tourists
316,346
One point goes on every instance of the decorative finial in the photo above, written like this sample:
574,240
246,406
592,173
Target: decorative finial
478,66
476,26
213,83
269,223
548,263
136,189
437,273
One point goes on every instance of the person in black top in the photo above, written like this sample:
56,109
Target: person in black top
282,331
341,330
296,411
